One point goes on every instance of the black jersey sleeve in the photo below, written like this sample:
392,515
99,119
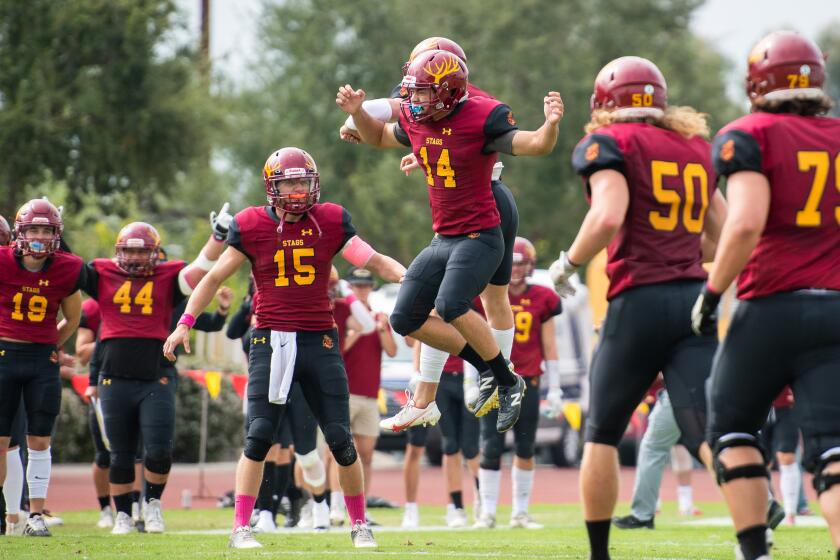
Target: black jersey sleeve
89,281
401,135
347,226
736,150
597,152
499,130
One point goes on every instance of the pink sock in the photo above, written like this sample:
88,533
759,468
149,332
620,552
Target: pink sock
355,508
242,509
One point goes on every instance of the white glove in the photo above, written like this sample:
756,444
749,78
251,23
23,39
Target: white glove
470,393
221,222
561,271
554,403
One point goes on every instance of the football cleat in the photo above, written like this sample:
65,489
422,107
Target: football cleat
456,518
476,507
409,416
488,394
15,529
321,516
775,514
510,404
265,523
486,521
137,517
362,536
242,537
336,515
524,521
293,518
153,517
51,520
411,518
690,512
306,515
123,524
36,526
632,522
106,518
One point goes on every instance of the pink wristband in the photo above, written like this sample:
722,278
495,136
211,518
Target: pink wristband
350,299
187,319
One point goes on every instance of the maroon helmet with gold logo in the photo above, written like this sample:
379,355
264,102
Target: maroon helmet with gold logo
524,254
444,75
138,249
291,164
38,212
632,86
785,65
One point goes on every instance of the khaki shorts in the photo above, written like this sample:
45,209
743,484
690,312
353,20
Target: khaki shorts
364,416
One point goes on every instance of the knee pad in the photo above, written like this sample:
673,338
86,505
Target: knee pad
525,450
340,443
102,459
491,455
824,481
122,468
405,324
603,437
449,446
259,439
158,462
450,309
491,463
724,474
469,451
313,469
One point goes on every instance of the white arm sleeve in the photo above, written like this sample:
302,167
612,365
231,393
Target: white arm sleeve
379,109
363,316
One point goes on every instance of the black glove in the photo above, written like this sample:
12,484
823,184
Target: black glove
704,314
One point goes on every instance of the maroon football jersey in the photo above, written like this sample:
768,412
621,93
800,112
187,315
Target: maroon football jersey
136,306
29,301
785,398
532,308
91,318
291,270
341,312
363,362
458,171
671,182
800,156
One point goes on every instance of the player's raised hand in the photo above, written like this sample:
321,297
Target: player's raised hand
181,335
349,135
224,297
409,163
349,99
553,107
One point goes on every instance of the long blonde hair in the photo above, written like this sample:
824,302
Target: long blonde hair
685,121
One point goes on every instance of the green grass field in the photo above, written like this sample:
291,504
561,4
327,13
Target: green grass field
563,537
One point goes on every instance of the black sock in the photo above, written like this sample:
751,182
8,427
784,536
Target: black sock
457,498
283,474
476,483
266,487
2,511
123,503
838,554
135,496
104,501
154,491
293,492
599,539
753,542
501,371
472,357
320,497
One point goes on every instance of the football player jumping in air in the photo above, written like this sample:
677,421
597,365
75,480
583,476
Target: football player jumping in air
653,203
291,244
495,296
137,294
38,279
456,138
782,241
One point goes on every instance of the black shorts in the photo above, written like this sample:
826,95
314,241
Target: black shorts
791,339
524,431
458,427
18,435
447,276
137,408
648,330
417,435
782,433
319,371
510,225
31,371
298,426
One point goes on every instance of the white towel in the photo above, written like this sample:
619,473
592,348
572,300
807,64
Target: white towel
97,409
283,355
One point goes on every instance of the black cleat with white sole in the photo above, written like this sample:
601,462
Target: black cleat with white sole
510,404
488,398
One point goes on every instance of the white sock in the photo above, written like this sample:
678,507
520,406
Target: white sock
266,514
13,487
411,507
337,500
431,363
505,340
488,483
523,481
38,472
685,499
789,483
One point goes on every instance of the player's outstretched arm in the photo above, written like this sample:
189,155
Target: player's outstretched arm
71,308
712,226
359,253
541,141
383,109
192,274
371,130
201,297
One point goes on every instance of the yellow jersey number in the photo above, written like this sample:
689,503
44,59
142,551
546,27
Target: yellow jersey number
523,321
820,162
37,308
304,273
143,297
444,169
692,173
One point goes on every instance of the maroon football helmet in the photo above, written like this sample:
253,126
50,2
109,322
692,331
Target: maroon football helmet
632,86
5,232
784,65
291,164
138,249
525,254
433,44
444,75
38,212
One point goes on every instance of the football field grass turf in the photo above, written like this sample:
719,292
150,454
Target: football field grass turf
203,534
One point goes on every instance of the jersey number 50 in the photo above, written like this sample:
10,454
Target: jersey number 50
691,172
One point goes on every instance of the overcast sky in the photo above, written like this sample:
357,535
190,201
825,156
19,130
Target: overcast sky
731,25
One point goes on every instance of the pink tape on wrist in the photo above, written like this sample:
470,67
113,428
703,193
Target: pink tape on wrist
357,251
350,299
187,319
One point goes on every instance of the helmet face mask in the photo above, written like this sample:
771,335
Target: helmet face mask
138,249
283,171
440,73
38,229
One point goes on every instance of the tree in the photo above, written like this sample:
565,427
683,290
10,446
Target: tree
829,42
